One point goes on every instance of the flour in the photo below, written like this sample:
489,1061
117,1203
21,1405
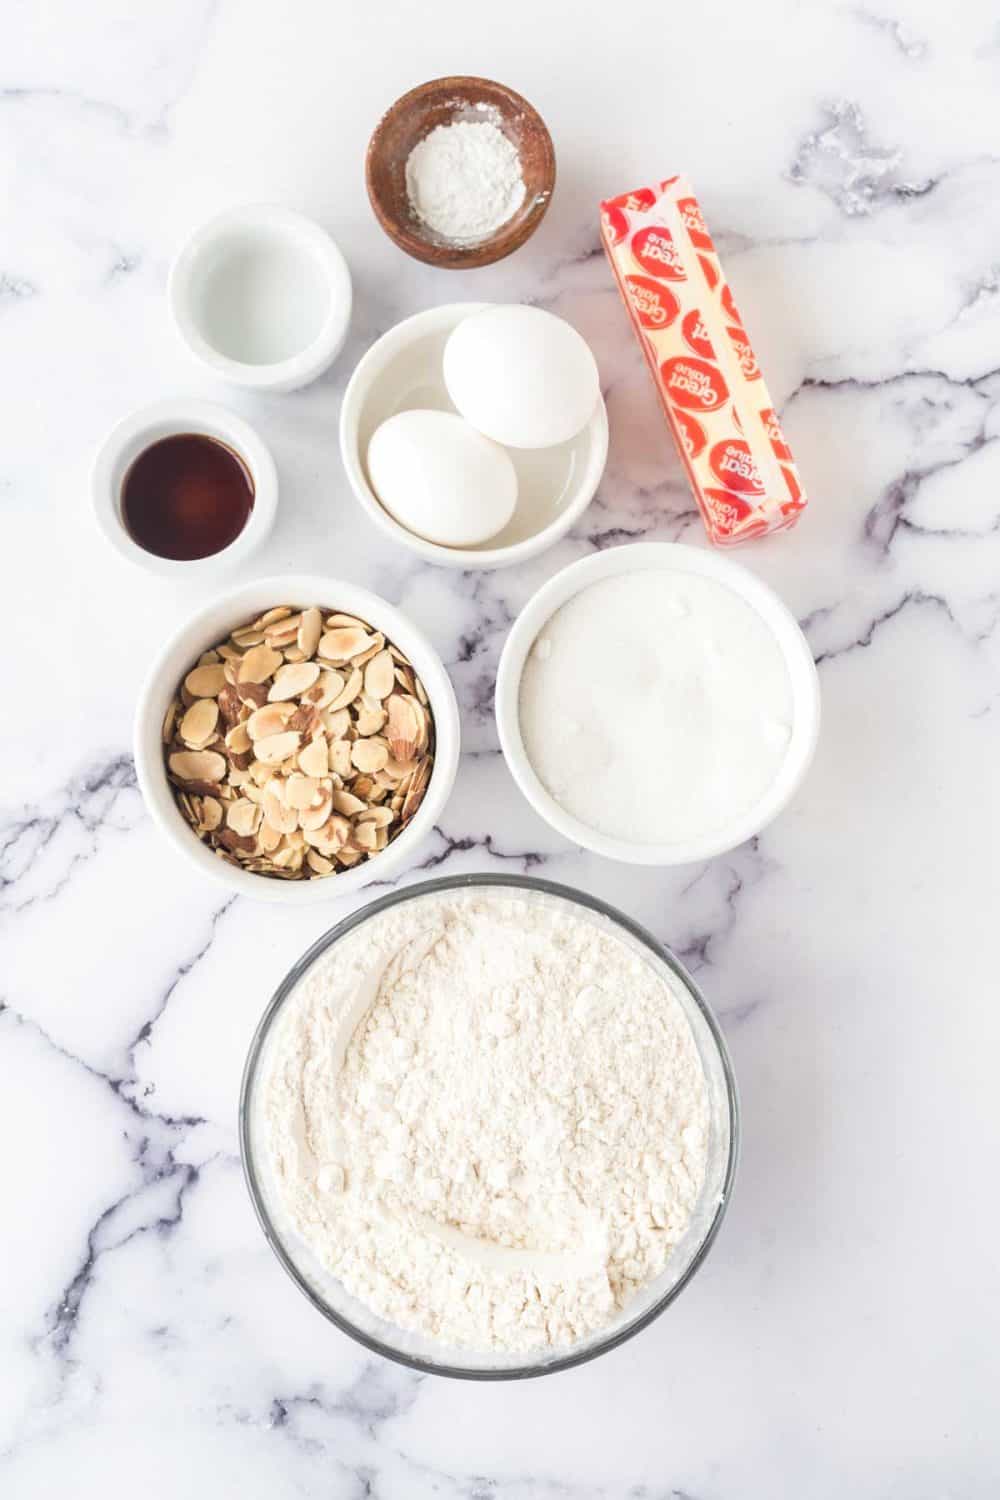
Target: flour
464,180
487,1117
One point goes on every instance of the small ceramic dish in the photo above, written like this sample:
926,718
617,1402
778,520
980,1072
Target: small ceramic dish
262,296
444,101
141,430
675,558
403,370
203,631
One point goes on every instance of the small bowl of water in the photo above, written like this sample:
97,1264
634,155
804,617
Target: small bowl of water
262,296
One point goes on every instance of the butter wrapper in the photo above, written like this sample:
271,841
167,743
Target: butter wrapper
707,376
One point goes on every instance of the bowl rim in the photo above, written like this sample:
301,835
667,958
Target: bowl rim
161,677
505,240
675,557
170,418
465,882
250,221
366,372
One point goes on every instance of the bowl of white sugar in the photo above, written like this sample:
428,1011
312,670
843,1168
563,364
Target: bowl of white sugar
657,704
489,1126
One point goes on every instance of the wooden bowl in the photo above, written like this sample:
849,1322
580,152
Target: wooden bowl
442,102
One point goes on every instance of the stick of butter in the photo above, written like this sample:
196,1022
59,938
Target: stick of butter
707,377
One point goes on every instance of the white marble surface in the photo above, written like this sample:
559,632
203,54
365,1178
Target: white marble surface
841,1339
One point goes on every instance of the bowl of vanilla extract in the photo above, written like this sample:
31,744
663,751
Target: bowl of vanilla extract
184,486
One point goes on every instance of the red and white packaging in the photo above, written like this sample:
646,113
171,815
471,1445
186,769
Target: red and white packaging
707,376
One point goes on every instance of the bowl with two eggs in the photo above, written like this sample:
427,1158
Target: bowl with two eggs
475,433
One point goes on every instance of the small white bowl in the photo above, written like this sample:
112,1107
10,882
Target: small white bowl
403,370
637,558
205,630
166,419
262,296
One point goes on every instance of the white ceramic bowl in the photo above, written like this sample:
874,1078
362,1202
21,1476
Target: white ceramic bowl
637,558
403,370
165,419
262,296
210,626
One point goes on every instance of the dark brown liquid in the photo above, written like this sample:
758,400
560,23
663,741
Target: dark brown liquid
186,496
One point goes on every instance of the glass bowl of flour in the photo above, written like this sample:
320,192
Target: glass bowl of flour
489,1126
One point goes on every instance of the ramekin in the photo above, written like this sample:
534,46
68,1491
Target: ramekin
206,629
166,419
242,232
402,370
674,557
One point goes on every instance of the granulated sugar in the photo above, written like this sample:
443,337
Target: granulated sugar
486,1115
464,180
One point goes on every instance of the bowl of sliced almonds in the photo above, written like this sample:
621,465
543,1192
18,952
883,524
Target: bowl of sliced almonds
297,739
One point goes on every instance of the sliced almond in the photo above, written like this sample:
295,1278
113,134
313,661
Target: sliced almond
343,642
317,863
260,663
403,729
340,757
351,689
370,717
271,719
346,803
300,791
380,676
198,765
206,681
280,612
369,755
333,621
292,681
211,813
380,816
314,758
238,739
329,686
198,726
375,644
169,720
274,748
243,816
277,813
316,814
336,722
364,835
309,631
247,637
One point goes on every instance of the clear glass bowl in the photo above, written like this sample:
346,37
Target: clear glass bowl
416,1350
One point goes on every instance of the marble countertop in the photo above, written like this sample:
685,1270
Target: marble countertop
841,1339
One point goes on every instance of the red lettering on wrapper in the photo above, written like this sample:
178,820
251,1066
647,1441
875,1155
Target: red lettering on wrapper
794,489
695,224
775,435
732,464
696,335
615,223
653,303
726,511
693,383
744,353
710,270
728,304
656,252
637,201
691,433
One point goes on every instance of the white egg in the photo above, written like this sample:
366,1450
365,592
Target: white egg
441,479
522,376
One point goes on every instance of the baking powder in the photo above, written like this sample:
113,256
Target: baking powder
486,1115
464,180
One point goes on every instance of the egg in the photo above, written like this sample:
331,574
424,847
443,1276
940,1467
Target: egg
441,479
522,376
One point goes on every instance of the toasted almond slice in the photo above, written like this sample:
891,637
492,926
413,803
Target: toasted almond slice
364,835
292,680
404,678
198,765
352,688
169,720
314,759
370,719
329,686
243,816
403,729
211,813
335,621
276,631
309,631
344,642
238,739
206,681
348,856
380,676
337,722
276,810
380,816
340,757
328,838
346,803
311,818
279,612
259,664
370,755
268,838
300,791
247,636
274,748
421,692
375,645
198,726
316,862
271,719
